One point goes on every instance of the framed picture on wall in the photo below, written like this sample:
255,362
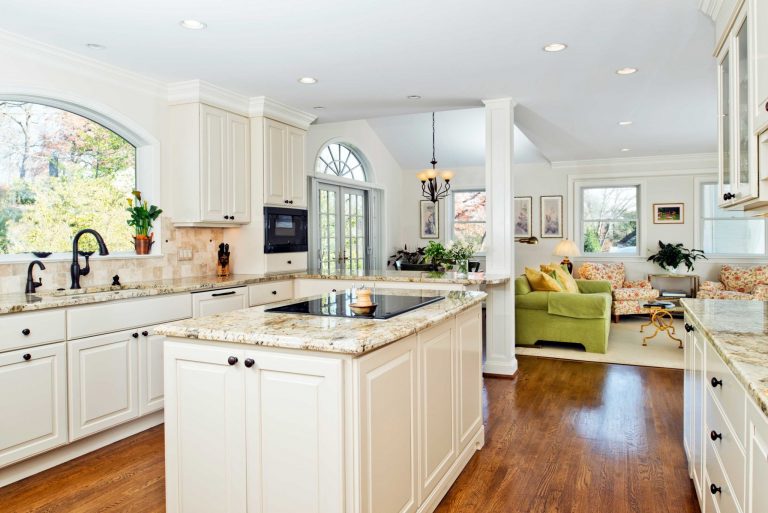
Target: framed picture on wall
523,216
429,219
668,213
551,217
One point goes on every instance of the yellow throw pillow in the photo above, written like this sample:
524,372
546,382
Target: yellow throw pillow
542,281
563,277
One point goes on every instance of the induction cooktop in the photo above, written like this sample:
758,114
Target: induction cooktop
337,305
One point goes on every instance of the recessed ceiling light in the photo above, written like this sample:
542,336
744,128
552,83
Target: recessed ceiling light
413,97
625,123
308,80
319,107
192,24
95,46
626,71
555,47
625,149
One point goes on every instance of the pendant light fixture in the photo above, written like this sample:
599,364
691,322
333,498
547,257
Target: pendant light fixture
430,187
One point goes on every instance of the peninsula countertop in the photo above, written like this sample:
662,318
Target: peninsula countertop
20,302
738,330
355,336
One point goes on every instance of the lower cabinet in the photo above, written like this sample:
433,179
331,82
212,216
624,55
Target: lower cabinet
150,371
757,450
219,301
33,402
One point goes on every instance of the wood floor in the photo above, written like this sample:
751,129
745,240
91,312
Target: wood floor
562,437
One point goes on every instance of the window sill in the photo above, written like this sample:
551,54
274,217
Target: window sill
67,257
619,257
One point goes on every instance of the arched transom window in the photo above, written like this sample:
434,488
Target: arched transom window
340,160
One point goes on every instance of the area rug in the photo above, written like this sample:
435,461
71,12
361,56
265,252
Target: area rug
625,346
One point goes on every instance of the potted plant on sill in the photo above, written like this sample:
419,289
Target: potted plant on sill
142,217
671,257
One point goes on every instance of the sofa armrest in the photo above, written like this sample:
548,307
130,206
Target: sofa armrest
594,286
712,285
522,286
760,292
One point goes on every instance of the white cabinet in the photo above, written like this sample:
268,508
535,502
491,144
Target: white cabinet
693,399
151,391
33,401
211,164
103,382
757,449
270,292
469,348
286,262
31,329
219,301
285,181
758,13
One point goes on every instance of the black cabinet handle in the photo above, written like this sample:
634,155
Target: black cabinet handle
135,335
145,333
728,195
249,362
714,490
274,292
25,332
714,435
232,360
716,382
27,356
688,327
223,293
289,262
766,106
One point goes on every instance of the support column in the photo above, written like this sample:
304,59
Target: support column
500,253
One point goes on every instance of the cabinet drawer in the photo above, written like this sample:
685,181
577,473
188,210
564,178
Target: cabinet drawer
121,315
727,392
724,499
727,448
263,293
286,262
219,301
31,329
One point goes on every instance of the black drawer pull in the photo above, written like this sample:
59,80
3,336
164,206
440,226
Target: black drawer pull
714,435
716,382
714,490
688,327
27,356
232,360
289,262
274,292
25,332
223,293
249,362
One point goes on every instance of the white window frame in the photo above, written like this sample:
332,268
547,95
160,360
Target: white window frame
576,187
449,204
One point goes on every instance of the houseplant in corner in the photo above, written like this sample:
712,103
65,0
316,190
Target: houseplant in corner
671,257
142,217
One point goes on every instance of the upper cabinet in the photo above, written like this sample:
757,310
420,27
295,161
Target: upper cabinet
285,181
758,10
211,166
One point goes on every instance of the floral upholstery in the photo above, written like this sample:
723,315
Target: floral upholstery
627,295
739,283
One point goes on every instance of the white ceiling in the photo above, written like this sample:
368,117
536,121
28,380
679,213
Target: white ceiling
368,55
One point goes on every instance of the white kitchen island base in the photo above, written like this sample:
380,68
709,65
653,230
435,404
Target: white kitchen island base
266,429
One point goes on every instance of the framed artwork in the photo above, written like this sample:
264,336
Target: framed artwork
551,217
523,216
668,213
429,219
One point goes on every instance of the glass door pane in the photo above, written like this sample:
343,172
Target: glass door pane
329,242
743,110
354,236
725,123
343,218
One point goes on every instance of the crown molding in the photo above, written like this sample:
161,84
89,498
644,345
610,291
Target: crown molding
691,161
273,109
711,7
200,91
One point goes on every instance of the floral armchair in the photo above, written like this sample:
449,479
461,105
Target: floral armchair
741,283
626,294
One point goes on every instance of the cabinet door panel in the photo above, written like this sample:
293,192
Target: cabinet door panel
103,375
295,434
296,171
33,397
697,448
204,430
757,491
213,157
275,168
437,373
758,12
239,169
469,341
150,372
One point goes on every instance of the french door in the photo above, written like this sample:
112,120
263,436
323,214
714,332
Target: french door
343,213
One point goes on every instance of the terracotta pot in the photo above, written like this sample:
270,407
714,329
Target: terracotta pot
143,245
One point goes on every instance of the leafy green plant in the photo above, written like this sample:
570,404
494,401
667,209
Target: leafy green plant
142,215
670,256
435,253
407,257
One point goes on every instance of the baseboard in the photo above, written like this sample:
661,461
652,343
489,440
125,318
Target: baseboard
64,453
499,376
434,498
500,367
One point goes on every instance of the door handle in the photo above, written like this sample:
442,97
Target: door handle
223,293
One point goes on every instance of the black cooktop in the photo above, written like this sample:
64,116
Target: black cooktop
337,305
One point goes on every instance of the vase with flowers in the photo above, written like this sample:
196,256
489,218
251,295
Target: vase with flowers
142,216
460,252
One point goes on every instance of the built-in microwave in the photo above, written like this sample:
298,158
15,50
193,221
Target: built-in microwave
285,230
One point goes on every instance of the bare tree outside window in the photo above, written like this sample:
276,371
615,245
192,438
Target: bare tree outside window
469,217
609,219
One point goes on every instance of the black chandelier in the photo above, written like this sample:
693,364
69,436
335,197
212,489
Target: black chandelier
430,188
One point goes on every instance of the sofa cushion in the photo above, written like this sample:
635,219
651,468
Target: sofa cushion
533,301
614,273
723,294
542,281
562,276
738,279
634,294
580,306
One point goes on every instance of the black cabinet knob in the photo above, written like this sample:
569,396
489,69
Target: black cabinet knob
289,262
232,360
688,327
728,195
135,335
714,489
226,217
274,292
145,333
290,201
714,435
249,362
716,382
285,201
25,332
27,356
232,218
333,290
766,106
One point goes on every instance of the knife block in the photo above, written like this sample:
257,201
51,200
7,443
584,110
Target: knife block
222,266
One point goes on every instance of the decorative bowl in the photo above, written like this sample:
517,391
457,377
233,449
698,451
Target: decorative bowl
358,309
41,254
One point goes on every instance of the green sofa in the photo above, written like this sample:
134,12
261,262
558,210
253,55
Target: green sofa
583,318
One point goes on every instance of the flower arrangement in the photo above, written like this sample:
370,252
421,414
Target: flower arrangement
142,217
460,252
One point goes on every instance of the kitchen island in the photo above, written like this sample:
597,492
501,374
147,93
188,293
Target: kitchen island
295,412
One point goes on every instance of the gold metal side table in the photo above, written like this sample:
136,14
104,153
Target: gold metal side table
661,319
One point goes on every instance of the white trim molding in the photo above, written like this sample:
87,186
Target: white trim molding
710,7
200,91
273,109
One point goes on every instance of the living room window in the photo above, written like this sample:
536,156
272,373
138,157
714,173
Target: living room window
467,217
608,222
729,232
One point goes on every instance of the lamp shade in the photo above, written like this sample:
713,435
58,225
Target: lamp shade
566,248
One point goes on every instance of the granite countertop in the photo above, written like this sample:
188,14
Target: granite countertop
738,330
254,326
19,302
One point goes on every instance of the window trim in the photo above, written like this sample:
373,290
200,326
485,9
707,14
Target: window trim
354,150
449,204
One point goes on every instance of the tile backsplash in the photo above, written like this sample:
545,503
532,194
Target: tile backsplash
203,242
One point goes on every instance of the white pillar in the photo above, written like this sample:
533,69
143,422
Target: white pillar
500,253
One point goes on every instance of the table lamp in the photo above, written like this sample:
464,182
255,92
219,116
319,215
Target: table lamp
567,248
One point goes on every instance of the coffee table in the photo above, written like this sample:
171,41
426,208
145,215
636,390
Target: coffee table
661,319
